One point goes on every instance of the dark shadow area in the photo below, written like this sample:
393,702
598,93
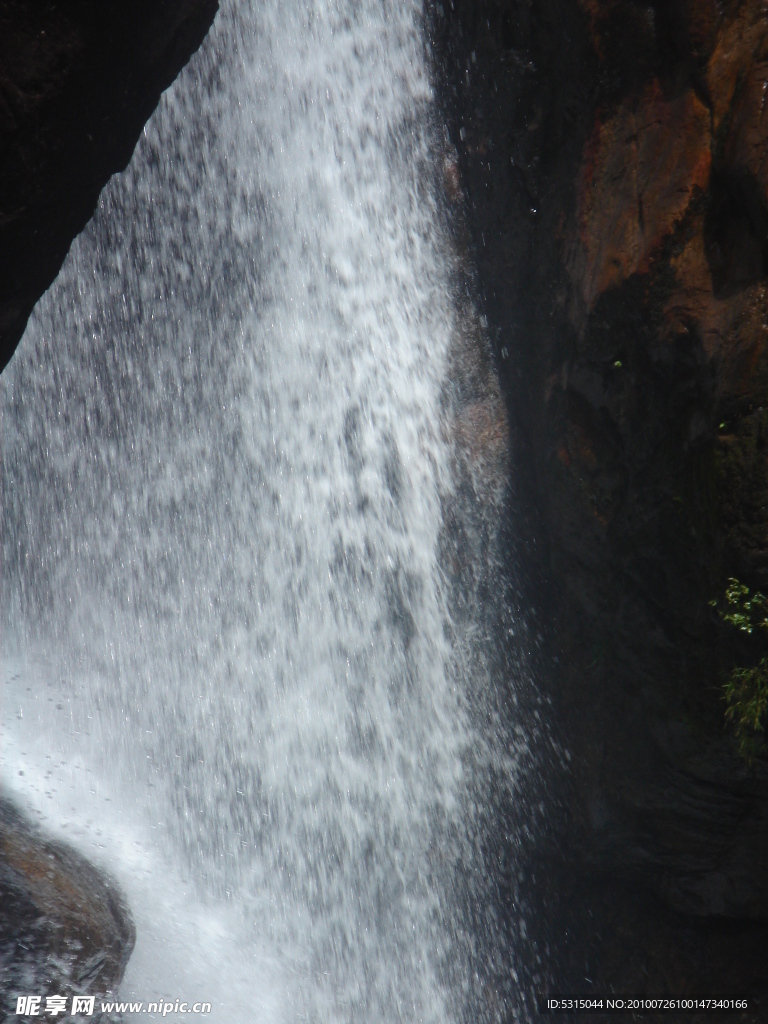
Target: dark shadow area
648,872
736,232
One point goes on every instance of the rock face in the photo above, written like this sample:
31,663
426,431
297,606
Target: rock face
77,83
64,928
613,159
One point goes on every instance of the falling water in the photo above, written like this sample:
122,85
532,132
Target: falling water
253,452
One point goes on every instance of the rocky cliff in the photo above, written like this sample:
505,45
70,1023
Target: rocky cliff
612,157
78,81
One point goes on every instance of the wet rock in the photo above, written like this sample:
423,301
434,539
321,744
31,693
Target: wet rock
640,171
613,162
77,84
64,926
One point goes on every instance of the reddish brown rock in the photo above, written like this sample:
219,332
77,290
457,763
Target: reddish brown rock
620,223
64,926
734,53
641,169
747,139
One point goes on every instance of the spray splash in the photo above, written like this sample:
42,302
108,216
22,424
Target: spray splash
229,447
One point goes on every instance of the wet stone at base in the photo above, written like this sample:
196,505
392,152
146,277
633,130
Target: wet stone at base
64,927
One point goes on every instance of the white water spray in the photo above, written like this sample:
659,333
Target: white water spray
226,458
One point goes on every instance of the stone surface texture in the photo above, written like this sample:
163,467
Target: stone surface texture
78,81
64,927
612,158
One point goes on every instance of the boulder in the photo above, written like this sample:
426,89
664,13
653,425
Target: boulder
64,926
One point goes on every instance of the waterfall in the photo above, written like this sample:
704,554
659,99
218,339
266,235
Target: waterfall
253,458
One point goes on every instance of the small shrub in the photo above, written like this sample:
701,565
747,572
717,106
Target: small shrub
748,611
746,689
746,694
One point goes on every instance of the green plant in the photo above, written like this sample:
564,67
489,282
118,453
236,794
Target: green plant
746,689
748,611
746,693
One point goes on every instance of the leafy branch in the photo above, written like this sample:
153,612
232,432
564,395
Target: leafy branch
746,689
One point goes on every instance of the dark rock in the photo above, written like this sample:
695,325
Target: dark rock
64,926
78,81
612,157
